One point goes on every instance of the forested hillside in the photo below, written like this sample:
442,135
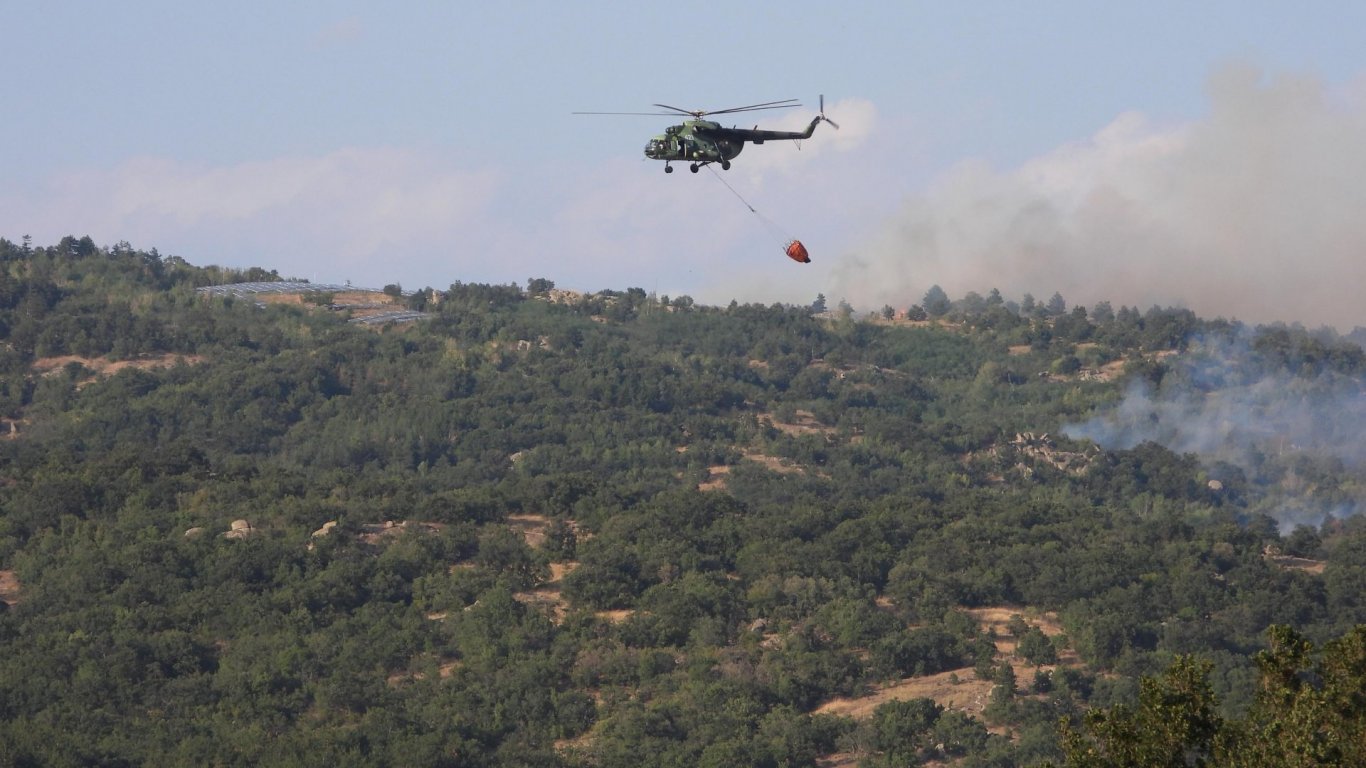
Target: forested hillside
617,529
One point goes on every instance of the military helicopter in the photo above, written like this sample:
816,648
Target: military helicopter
700,141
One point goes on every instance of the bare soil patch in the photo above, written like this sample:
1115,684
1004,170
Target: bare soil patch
9,587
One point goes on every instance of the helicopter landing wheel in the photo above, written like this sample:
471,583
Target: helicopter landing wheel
668,169
693,167
725,165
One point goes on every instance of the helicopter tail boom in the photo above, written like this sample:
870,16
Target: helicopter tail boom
758,136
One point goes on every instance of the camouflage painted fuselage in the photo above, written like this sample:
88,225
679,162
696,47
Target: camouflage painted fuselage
704,141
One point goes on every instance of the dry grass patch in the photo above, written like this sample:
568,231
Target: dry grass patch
1292,563
359,303
957,689
803,423
531,527
364,297
717,475
548,596
716,478
9,428
773,463
103,366
375,534
960,689
279,298
443,670
998,618
1111,370
547,599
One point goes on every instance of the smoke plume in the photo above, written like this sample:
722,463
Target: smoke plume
1253,212
1291,424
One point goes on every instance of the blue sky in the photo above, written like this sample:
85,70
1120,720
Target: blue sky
1199,154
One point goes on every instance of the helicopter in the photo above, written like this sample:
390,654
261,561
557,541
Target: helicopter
699,141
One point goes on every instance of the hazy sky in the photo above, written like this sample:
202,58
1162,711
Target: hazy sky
1202,154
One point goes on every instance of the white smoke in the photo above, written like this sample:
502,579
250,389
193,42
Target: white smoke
1253,212
1229,404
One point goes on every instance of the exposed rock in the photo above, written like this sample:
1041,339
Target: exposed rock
240,529
375,533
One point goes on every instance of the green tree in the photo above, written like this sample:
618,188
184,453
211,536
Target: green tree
936,302
504,552
1056,306
1174,723
1307,712
903,728
1036,647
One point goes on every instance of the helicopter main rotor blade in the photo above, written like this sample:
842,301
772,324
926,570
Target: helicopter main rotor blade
783,104
698,113
692,112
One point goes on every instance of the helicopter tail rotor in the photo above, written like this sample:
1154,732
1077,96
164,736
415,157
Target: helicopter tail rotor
832,123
